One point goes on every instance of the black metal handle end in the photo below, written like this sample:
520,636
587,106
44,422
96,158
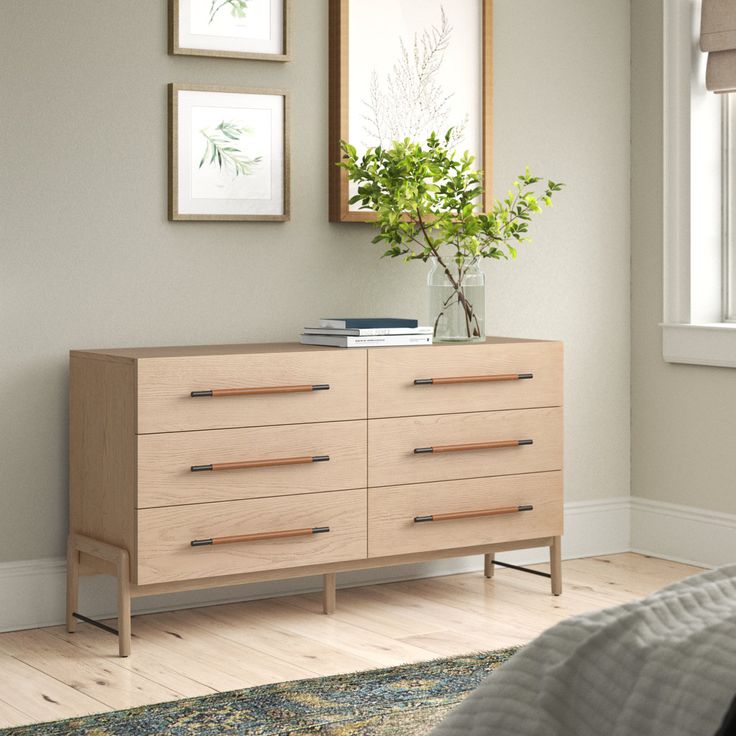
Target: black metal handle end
200,542
320,529
526,442
526,507
198,394
320,458
423,381
522,376
423,450
418,519
321,387
198,468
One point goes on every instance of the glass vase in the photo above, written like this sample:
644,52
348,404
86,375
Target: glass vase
457,301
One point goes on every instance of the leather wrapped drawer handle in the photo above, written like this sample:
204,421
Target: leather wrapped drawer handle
474,514
473,379
215,392
477,446
262,463
260,536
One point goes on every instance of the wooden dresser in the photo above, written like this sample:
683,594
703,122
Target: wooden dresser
195,467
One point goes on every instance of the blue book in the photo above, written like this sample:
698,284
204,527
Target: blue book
356,323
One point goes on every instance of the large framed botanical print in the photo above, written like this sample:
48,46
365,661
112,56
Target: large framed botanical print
228,153
402,69
239,29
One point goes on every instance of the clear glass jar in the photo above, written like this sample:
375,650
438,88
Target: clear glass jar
457,301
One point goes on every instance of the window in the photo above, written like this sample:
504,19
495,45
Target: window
699,201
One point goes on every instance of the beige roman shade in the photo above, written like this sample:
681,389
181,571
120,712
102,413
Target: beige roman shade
718,38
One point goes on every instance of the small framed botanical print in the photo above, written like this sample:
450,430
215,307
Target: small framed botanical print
228,153
240,29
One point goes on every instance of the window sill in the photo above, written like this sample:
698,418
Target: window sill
706,344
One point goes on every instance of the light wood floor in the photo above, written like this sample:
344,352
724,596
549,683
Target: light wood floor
47,674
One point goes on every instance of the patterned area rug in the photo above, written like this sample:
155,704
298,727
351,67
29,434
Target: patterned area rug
407,701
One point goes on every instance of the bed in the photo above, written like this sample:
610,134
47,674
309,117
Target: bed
664,665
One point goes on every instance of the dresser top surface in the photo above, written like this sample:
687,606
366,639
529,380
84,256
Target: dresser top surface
128,354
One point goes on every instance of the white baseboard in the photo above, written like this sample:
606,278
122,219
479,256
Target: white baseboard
682,533
33,592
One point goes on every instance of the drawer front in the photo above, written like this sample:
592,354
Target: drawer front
392,373
269,389
392,529
463,446
258,462
165,552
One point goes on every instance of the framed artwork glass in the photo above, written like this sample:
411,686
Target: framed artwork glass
403,69
239,29
228,153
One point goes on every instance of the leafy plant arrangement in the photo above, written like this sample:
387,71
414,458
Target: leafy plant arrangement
426,202
220,149
237,8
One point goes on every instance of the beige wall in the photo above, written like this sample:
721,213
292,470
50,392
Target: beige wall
683,432
88,258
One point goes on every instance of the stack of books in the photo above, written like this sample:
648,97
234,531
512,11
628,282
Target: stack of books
367,332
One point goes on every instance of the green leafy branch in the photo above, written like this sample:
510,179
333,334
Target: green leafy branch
220,149
426,201
237,8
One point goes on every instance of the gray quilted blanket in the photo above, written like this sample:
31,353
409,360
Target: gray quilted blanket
662,666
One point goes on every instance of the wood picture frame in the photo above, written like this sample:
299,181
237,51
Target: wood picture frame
223,193
229,47
339,105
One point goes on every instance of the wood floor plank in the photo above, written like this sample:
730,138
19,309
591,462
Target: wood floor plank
11,716
97,678
343,636
42,697
188,637
166,668
48,674
235,623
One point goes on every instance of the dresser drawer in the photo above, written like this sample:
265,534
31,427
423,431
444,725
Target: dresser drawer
165,552
454,446
443,379
392,529
250,390
228,464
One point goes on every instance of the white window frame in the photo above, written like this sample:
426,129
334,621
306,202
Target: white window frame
693,327
729,208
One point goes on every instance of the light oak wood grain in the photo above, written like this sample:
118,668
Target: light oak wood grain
164,462
391,443
98,680
392,372
379,625
165,385
392,509
164,535
248,348
102,477
36,693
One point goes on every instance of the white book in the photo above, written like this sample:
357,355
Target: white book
368,331
365,341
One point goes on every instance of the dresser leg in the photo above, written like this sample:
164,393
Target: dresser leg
329,592
488,564
72,584
123,568
555,565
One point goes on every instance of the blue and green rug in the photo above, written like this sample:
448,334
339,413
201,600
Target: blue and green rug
407,700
